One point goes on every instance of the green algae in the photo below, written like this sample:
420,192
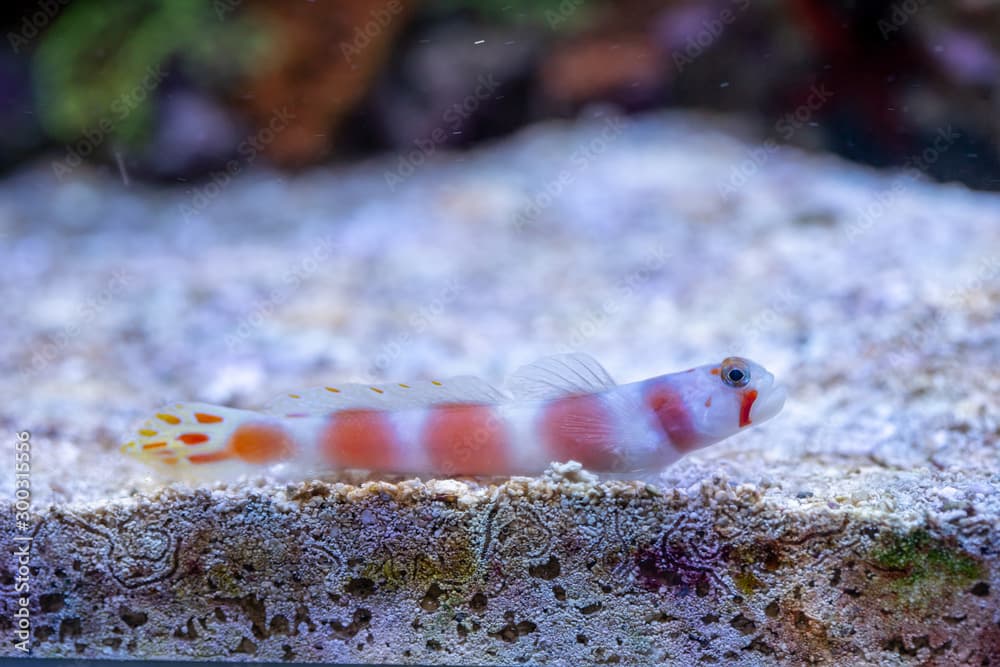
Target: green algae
456,568
928,565
747,582
747,558
225,581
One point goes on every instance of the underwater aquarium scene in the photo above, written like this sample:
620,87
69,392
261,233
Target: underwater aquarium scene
500,332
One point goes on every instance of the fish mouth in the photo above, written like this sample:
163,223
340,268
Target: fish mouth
768,404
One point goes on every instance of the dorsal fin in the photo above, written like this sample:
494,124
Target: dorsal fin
559,375
389,396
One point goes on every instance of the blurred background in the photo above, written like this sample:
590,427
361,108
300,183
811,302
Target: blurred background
229,200
176,90
223,200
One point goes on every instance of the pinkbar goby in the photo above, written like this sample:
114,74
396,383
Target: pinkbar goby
561,408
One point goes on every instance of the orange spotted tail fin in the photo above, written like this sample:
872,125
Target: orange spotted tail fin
188,434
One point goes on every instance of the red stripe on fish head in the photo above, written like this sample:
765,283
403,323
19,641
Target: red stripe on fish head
748,397
674,415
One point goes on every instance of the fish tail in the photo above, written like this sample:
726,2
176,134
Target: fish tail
189,435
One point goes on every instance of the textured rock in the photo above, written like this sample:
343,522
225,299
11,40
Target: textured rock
862,526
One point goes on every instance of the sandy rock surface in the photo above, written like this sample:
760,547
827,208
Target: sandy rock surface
861,526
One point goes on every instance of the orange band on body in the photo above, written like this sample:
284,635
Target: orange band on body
253,442
360,439
580,428
466,439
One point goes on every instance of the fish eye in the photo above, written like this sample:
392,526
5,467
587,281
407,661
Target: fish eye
735,373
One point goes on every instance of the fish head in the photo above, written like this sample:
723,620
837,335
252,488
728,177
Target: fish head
738,393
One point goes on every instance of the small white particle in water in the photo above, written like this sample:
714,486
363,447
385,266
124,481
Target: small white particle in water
724,84
480,41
